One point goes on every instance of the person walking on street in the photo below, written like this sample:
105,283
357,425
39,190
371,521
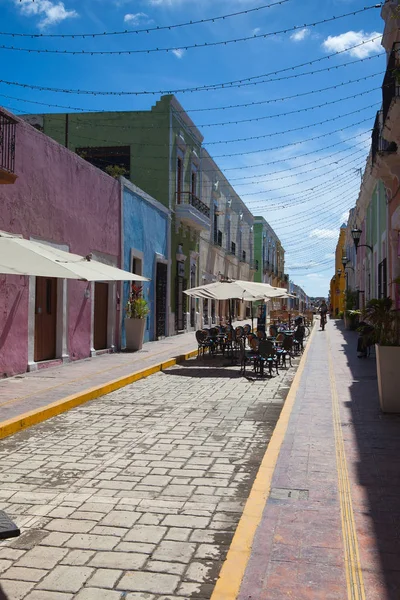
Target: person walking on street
323,309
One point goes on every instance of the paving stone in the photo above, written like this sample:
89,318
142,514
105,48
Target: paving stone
42,557
174,551
77,558
158,480
92,542
95,594
186,521
5,564
138,547
16,590
11,553
165,567
56,539
151,519
24,574
104,578
178,534
198,572
70,525
121,518
118,560
208,551
65,579
42,595
156,583
151,534
140,596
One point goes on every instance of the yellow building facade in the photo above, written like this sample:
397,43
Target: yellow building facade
338,281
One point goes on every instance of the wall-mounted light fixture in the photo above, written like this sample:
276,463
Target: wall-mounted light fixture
356,235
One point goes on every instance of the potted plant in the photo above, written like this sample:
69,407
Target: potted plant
351,315
386,321
351,319
136,312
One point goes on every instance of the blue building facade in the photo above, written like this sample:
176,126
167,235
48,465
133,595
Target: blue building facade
145,251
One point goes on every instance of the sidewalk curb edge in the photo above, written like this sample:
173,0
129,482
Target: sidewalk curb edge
44,413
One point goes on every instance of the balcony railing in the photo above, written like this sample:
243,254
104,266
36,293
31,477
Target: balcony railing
189,198
7,143
391,85
378,143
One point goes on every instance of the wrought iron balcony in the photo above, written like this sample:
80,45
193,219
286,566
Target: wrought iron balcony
192,211
378,143
7,148
189,198
391,81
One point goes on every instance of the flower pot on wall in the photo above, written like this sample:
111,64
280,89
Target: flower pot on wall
134,333
387,366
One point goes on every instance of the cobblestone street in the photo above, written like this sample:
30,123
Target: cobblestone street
136,495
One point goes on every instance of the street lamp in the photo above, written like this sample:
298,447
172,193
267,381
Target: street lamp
356,235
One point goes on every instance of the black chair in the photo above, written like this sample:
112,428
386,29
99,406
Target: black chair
286,350
204,342
267,356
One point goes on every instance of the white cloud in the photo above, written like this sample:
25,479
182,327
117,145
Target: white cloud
50,13
371,43
300,35
256,31
179,52
327,234
136,18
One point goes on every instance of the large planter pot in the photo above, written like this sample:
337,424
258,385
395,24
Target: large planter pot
388,369
134,333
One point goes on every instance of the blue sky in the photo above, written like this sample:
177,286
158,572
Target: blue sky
302,186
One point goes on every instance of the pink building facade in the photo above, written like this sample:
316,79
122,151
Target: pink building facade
61,200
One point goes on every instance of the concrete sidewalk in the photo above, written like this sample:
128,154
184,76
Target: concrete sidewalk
30,398
330,527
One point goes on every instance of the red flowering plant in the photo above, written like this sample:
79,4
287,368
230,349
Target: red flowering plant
136,307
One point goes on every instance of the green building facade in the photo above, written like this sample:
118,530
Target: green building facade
159,151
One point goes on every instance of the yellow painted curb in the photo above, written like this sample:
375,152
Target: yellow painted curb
39,415
234,567
354,574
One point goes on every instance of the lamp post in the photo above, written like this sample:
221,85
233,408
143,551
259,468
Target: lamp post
356,235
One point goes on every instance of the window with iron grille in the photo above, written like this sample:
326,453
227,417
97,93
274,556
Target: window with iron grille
233,248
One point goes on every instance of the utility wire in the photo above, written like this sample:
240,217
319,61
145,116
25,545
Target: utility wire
145,29
266,135
317,137
247,105
188,46
211,87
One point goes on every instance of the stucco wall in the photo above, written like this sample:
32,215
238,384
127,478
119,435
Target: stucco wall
60,198
145,231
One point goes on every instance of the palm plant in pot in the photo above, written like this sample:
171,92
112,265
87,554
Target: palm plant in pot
136,312
386,321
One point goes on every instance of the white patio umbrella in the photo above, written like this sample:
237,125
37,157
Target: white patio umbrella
243,290
19,256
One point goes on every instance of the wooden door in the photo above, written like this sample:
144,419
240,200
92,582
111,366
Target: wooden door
45,319
161,299
100,316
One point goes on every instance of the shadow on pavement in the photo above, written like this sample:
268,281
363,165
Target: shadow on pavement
376,498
